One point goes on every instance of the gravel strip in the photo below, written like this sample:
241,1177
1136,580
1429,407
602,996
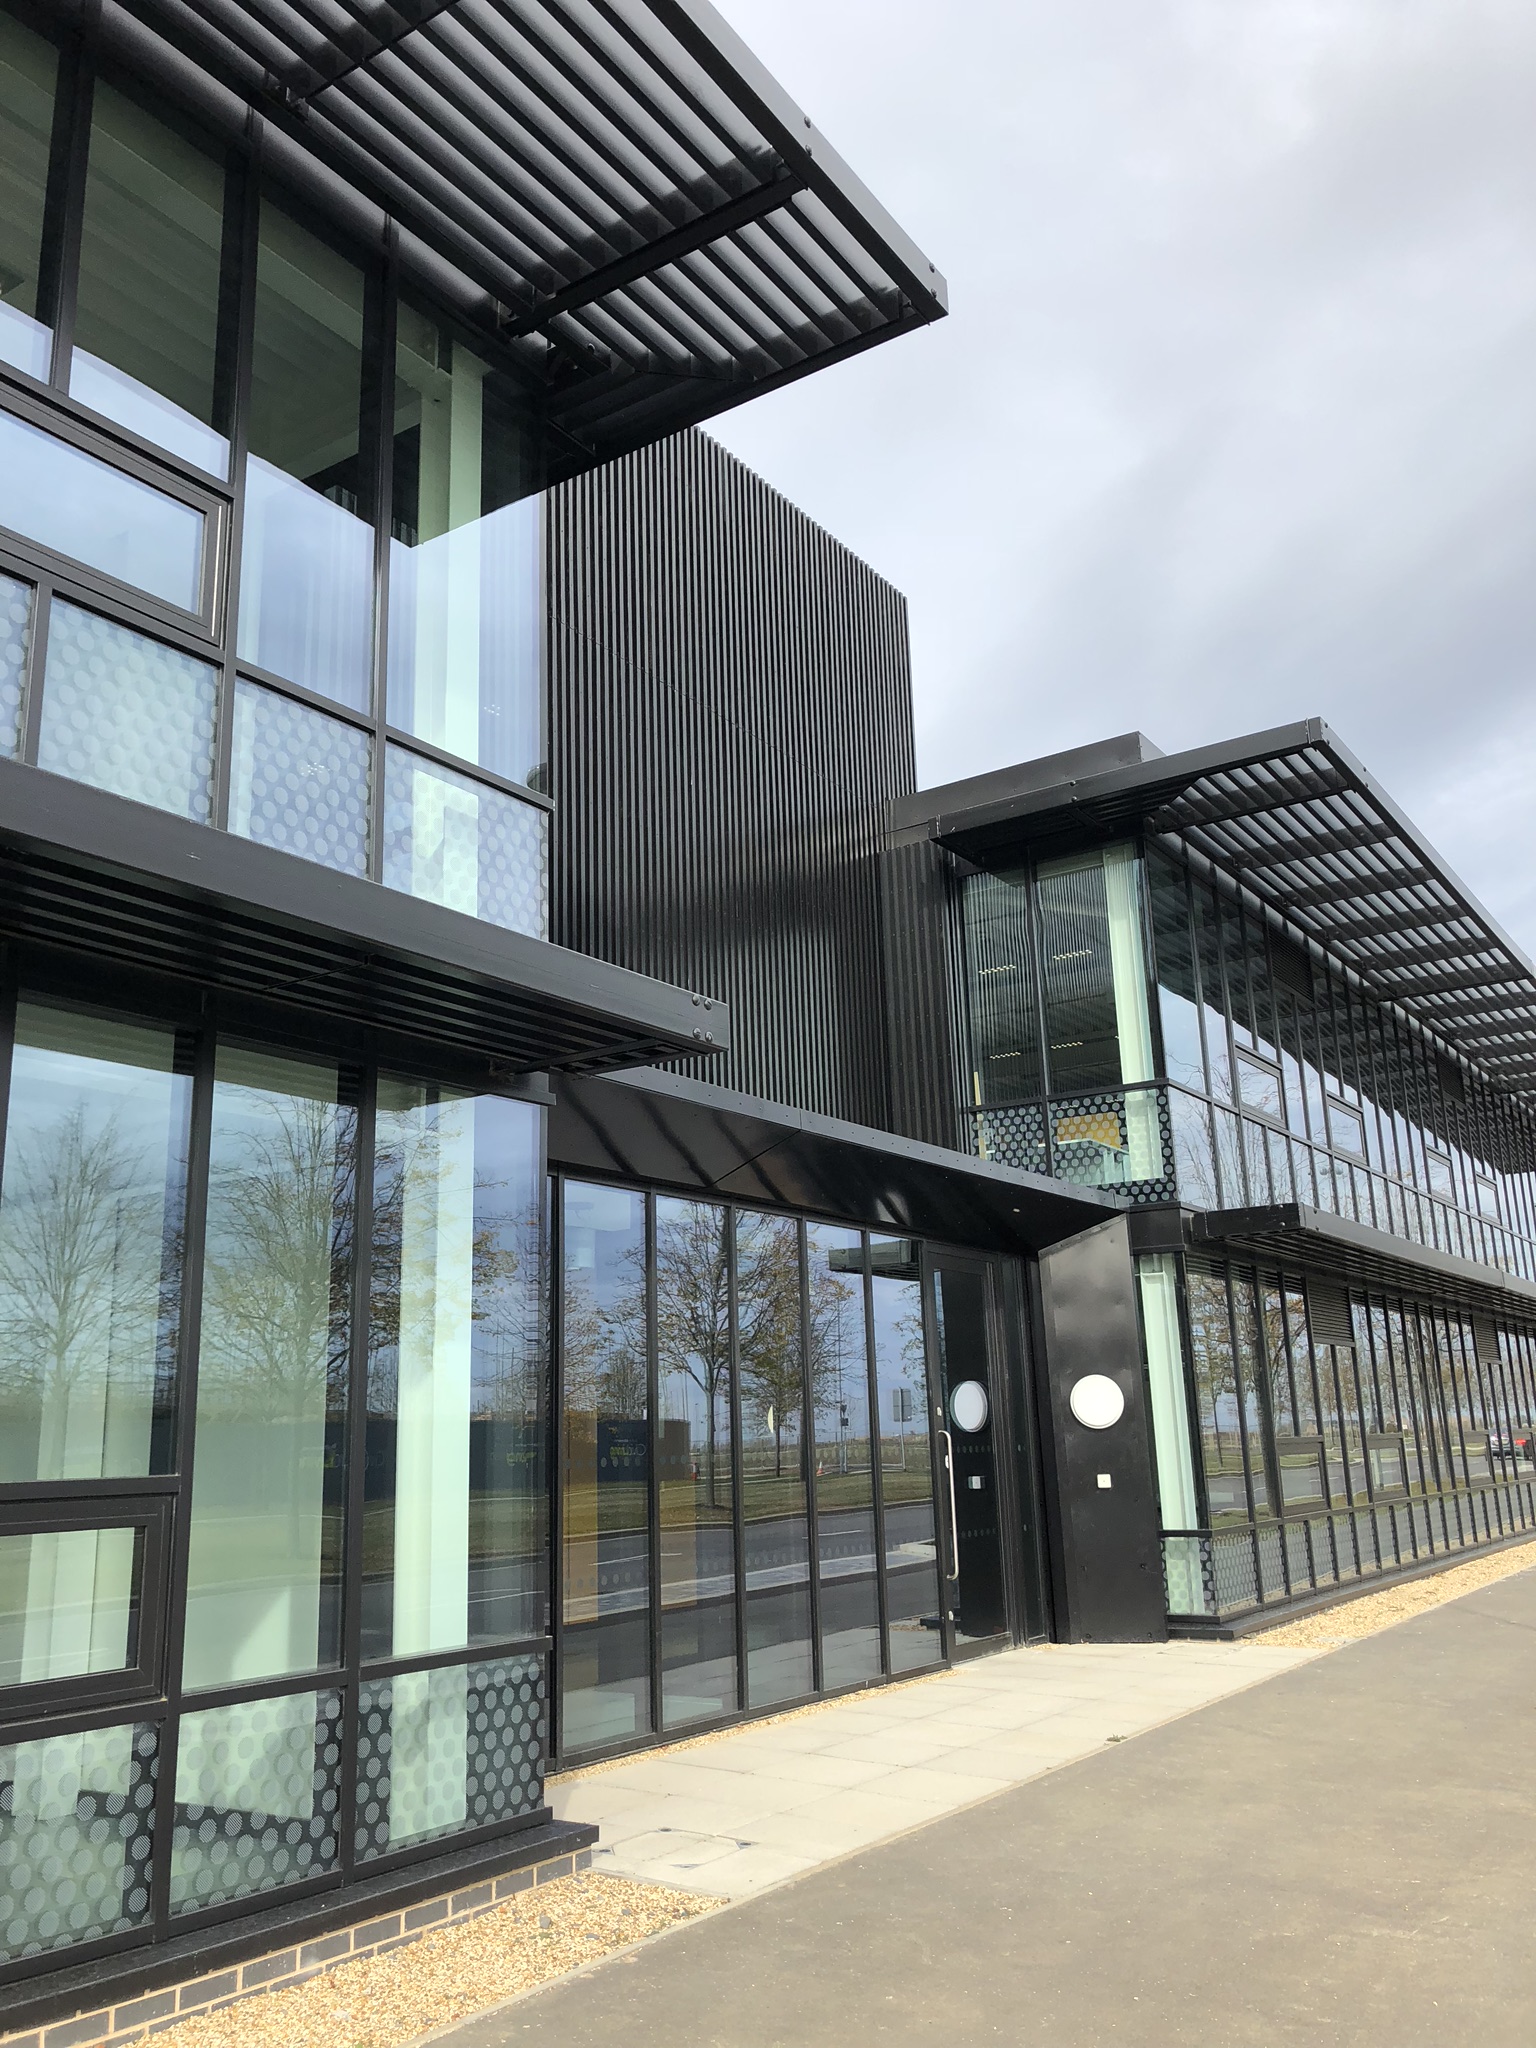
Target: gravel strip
386,2001
1364,1617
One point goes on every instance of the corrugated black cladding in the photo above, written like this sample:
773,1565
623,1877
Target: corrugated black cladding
730,712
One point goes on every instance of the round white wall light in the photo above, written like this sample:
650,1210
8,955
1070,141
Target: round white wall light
968,1406
1096,1401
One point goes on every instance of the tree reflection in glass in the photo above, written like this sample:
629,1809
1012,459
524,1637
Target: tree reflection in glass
264,1572
773,1459
698,1549
845,1485
91,1222
906,1464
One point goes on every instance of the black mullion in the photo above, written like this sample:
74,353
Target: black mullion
189,1336
380,325
653,1475
876,1458
357,1455
808,1454
738,1503
64,201
555,1443
236,349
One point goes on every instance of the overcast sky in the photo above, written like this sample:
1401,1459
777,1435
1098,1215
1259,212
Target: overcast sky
1233,420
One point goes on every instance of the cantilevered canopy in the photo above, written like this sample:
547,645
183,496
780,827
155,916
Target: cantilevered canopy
1296,819
664,231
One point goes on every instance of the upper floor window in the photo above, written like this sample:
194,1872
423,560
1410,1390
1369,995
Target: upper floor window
28,69
1097,1025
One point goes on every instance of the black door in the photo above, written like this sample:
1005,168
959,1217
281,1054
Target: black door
962,1348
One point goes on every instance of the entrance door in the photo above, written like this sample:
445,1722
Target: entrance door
970,1509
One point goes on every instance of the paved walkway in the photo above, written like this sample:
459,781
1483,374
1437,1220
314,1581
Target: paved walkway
1344,1857
741,1811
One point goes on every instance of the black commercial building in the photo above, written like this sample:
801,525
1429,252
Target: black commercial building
549,1198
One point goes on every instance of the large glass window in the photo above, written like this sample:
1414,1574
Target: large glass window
605,1470
464,601
28,69
91,1218
696,1487
306,576
70,1602
1218,1398
465,845
147,313
1097,1027
453,1492
127,713
1005,1013
906,1465
57,494
775,1501
264,1575
847,1565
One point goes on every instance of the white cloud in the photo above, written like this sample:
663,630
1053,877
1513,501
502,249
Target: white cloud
1233,420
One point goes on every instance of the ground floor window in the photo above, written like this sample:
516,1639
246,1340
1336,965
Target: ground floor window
1310,1431
746,1488
273,1493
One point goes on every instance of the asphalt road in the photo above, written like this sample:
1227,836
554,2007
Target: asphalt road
1344,1855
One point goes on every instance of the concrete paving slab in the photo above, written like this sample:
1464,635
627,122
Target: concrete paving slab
1342,1857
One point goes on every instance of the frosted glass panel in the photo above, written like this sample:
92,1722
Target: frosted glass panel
264,1573
91,1210
76,1832
465,845
15,641
257,1797
299,780
128,714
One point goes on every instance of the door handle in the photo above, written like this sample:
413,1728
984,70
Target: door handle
954,1513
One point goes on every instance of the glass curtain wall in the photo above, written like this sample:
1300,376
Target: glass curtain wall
1285,1085
747,1495
1059,1009
1336,1433
286,1569
270,523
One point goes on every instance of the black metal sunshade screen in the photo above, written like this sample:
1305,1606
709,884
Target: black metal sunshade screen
664,231
1295,818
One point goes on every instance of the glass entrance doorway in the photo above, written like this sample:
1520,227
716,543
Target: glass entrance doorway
964,1397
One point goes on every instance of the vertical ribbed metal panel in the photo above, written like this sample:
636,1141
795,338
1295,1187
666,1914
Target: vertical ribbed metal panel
730,714
925,1001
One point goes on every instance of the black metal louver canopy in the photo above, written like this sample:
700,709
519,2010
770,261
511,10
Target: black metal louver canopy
663,231
1297,821
133,887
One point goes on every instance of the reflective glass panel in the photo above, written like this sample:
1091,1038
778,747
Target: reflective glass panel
91,1221
28,69
264,1573
605,1453
127,713
76,1836
306,577
443,1751
1005,1010
69,1603
464,845
15,643
57,494
1097,1023
299,780
906,1466
693,1450
1221,1421
258,1789
464,597
454,1544
147,314
773,1459
845,1485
